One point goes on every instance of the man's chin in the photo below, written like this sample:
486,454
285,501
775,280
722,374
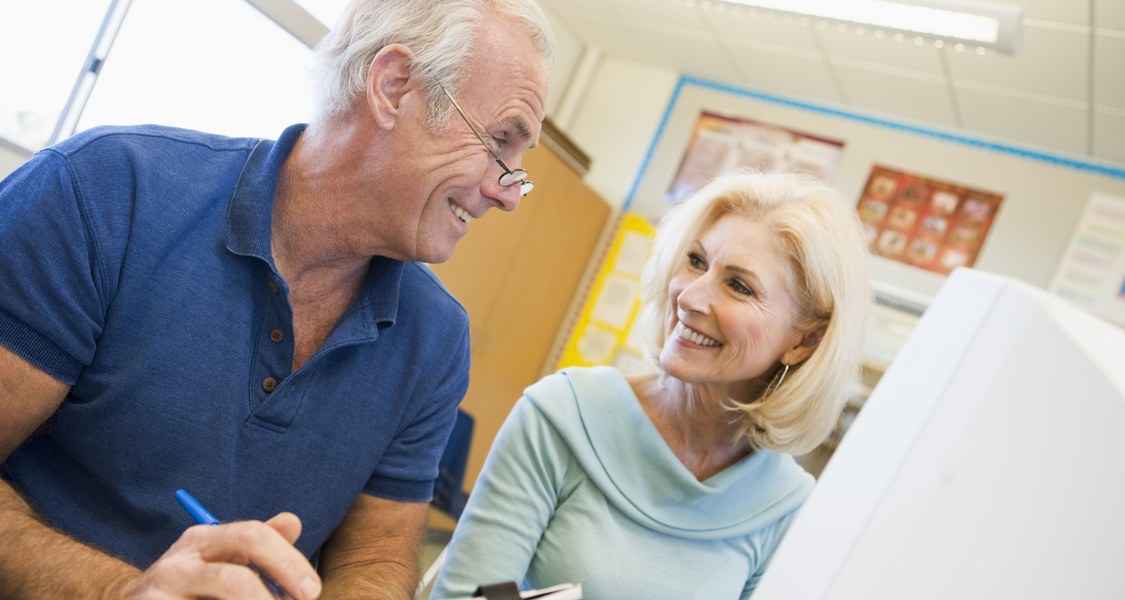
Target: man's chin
436,256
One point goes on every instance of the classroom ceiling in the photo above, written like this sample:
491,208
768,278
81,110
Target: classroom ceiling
1063,93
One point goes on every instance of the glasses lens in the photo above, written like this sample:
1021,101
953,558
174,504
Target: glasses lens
526,186
513,177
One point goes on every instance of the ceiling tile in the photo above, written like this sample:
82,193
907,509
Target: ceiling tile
1024,119
917,97
1109,67
1052,61
1064,11
1109,135
576,6
659,11
578,21
884,50
691,54
797,74
671,29
1060,74
611,39
770,30
1109,14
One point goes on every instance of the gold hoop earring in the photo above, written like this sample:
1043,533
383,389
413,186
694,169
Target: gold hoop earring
775,383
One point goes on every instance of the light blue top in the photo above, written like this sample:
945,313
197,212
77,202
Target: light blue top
580,487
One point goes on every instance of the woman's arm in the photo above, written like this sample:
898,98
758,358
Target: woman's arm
767,545
509,507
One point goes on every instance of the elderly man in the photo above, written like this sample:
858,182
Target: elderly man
248,320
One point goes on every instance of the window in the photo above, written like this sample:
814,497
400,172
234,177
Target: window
326,11
214,65
41,55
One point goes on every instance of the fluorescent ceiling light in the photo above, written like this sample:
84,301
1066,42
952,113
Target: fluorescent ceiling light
980,24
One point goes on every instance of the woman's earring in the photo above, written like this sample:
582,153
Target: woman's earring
775,383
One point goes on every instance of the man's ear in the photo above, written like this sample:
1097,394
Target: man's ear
389,80
804,348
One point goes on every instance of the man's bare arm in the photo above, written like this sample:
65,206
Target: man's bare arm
28,396
374,552
39,562
36,561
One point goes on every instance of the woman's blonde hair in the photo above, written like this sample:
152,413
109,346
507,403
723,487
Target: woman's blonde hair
820,236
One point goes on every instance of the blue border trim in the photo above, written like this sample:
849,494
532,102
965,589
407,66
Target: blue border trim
655,140
1054,159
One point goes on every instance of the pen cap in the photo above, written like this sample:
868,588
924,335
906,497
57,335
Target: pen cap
195,509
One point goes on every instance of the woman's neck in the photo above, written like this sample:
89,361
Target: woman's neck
693,422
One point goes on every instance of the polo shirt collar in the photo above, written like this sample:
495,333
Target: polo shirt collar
380,295
251,206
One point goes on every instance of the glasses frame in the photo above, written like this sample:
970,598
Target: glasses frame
509,177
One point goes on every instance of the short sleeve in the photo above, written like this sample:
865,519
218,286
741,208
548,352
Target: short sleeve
409,466
52,280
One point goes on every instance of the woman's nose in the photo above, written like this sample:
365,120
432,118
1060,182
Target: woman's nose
695,295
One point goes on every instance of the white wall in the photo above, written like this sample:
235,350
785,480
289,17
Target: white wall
10,158
568,51
616,120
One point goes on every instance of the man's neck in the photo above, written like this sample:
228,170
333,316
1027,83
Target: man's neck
312,233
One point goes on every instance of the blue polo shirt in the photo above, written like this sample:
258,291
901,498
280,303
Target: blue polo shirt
137,268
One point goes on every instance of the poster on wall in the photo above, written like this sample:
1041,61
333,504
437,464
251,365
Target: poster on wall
924,222
720,144
1092,271
604,331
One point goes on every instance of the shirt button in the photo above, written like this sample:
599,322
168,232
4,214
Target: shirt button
273,286
276,335
269,384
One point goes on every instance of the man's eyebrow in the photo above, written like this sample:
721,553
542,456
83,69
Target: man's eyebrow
520,128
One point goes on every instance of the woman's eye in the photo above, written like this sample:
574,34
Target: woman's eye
499,141
741,288
695,260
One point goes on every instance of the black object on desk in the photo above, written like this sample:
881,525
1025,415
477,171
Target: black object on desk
507,590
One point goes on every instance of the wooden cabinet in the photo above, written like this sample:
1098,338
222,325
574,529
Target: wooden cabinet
517,275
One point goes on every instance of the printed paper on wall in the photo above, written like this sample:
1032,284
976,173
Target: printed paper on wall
924,222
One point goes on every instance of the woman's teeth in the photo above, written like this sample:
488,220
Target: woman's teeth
695,337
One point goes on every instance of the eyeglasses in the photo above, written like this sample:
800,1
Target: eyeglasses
509,177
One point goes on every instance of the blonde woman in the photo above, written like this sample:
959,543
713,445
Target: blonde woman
680,483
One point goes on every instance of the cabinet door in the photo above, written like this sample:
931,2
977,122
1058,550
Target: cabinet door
517,275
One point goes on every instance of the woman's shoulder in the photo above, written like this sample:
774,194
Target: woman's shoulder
578,388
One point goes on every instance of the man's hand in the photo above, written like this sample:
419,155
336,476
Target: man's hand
214,561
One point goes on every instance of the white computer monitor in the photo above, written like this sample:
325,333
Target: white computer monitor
988,462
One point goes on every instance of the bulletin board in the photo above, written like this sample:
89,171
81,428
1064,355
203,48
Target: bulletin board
923,221
1044,194
603,332
1092,272
725,143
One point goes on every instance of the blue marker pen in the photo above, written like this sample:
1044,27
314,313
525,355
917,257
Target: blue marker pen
203,516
